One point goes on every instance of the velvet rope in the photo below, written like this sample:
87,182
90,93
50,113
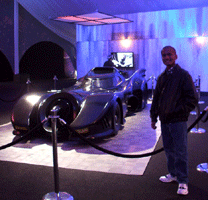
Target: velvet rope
131,155
25,136
96,146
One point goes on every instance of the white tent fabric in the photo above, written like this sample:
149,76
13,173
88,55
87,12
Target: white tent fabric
44,10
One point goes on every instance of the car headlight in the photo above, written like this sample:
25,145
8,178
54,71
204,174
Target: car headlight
33,99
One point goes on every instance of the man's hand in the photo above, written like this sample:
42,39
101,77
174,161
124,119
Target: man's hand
153,125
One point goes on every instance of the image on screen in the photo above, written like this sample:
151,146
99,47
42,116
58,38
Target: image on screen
123,60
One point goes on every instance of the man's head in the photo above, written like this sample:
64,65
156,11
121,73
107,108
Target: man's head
169,56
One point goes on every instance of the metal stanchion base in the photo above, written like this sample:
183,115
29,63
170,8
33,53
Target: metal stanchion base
149,101
202,167
58,196
193,113
201,102
197,130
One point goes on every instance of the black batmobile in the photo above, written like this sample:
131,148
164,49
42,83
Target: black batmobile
95,106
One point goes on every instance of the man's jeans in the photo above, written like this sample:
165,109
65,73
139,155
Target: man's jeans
175,145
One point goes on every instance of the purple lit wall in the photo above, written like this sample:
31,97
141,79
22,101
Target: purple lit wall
149,32
7,30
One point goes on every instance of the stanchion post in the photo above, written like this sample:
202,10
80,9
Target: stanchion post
54,117
203,167
57,195
197,129
196,85
199,90
153,79
28,84
54,81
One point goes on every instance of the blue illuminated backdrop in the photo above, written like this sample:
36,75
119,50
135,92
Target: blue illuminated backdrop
185,29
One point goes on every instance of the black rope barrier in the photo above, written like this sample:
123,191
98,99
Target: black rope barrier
23,137
198,119
96,146
206,119
111,152
127,155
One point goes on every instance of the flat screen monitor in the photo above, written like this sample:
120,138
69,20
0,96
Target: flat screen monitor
123,59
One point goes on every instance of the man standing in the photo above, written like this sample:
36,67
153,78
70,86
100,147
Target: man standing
174,97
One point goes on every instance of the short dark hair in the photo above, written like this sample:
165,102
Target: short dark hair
166,47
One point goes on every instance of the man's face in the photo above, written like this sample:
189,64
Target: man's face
169,57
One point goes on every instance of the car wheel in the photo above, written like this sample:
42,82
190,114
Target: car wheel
67,109
65,112
116,119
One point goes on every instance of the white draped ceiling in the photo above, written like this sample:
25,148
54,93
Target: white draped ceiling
45,10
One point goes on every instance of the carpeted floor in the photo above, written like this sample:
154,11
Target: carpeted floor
31,182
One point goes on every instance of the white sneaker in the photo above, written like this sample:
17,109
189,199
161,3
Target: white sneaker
167,178
182,189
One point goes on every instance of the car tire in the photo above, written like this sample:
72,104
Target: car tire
65,106
116,119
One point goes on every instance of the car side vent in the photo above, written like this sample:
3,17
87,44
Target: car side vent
105,123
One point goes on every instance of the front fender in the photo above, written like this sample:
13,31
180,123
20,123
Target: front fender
92,109
23,114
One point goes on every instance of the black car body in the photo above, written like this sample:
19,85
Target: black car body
95,106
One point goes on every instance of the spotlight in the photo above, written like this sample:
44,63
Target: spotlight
201,40
126,43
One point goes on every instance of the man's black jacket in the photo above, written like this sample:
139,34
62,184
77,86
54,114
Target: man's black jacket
174,97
